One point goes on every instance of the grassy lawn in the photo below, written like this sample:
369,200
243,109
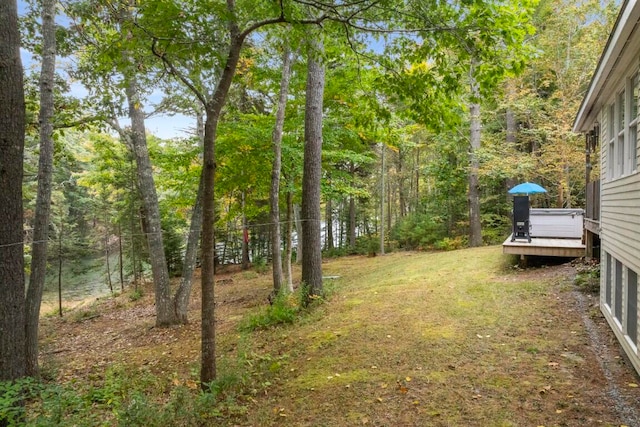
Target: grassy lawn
434,339
409,339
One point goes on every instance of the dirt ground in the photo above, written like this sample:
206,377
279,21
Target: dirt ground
118,330
621,379
617,386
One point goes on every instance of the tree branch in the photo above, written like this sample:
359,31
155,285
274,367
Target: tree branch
113,122
178,74
78,122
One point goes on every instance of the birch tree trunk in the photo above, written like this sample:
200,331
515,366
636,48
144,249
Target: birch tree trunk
312,259
475,228
289,242
43,197
274,194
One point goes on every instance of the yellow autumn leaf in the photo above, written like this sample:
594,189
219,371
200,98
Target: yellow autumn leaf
633,385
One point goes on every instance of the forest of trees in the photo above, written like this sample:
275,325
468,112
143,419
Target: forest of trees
325,128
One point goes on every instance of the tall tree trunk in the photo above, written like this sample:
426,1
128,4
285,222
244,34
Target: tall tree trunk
341,224
60,266
245,237
165,314
390,205
183,293
289,242
352,222
511,128
213,109
274,194
417,193
352,211
329,221
121,267
108,264
298,220
312,259
12,128
132,231
208,325
382,191
45,178
401,184
475,228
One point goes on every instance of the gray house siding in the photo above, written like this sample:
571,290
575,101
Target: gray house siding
620,219
611,105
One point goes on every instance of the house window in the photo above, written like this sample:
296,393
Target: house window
617,310
632,139
607,280
622,122
620,129
632,306
611,155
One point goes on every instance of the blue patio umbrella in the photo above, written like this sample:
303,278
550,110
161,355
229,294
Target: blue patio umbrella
527,188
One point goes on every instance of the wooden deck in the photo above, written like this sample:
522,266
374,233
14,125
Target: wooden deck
571,248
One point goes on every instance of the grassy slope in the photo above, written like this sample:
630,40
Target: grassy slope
432,339
408,339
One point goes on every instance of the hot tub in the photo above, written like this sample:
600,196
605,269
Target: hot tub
556,223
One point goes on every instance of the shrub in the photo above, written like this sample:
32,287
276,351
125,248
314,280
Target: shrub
588,278
260,265
495,228
367,245
283,310
85,314
419,231
126,397
13,395
451,244
335,252
136,294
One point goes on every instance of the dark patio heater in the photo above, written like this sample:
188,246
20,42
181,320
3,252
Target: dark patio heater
521,218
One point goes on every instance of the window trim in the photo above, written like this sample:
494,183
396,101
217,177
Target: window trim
622,155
